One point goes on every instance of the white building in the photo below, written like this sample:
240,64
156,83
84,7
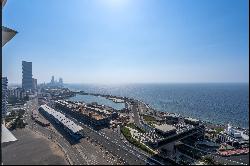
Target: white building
233,135
233,132
19,93
236,133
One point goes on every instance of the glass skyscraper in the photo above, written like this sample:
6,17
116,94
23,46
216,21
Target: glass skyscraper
27,82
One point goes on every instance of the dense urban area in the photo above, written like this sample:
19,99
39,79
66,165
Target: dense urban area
90,133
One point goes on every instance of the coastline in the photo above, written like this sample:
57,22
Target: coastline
207,123
215,103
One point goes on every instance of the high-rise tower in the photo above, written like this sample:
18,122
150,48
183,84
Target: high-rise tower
27,81
60,81
34,83
4,96
52,80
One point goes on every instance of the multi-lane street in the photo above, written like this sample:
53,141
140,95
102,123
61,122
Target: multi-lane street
126,154
136,116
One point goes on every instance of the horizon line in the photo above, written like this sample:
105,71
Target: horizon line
95,83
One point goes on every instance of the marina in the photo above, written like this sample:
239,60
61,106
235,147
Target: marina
99,99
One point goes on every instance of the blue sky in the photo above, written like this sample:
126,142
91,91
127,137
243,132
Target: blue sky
128,41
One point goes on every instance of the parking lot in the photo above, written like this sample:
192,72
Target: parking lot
32,149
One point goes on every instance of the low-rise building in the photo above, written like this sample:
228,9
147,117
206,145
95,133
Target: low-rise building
165,129
19,93
60,119
232,135
88,115
192,121
34,83
171,118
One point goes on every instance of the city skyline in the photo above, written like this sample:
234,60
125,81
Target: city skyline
146,82
128,41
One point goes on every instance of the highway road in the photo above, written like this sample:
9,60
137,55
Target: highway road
138,152
113,143
136,116
95,154
118,138
127,156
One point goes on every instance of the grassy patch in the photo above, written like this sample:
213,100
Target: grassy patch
133,126
126,132
148,118
152,124
18,122
8,119
210,161
218,130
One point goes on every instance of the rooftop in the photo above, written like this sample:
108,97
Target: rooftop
173,115
7,35
61,117
165,127
87,110
7,136
192,119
